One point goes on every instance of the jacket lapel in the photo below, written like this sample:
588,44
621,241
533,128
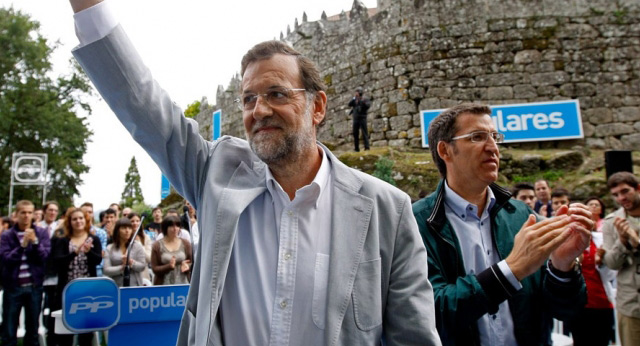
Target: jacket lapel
350,223
245,185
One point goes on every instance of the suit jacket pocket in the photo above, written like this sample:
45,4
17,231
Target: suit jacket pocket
320,283
367,297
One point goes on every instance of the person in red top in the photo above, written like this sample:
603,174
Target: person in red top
595,324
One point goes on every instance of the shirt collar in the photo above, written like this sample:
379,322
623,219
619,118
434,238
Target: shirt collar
311,192
461,206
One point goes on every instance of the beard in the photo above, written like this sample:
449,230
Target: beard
282,145
635,203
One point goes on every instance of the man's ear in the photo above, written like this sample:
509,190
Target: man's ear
443,150
319,107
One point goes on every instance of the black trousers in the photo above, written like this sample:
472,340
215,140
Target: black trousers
593,327
360,123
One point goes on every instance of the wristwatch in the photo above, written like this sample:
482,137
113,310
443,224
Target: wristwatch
574,272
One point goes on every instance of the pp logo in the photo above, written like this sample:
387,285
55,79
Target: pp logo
90,304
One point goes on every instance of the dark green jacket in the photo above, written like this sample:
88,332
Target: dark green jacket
461,299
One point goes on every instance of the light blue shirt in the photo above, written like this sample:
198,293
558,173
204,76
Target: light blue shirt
479,253
275,292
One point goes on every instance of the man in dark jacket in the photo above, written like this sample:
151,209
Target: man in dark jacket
359,107
24,249
487,253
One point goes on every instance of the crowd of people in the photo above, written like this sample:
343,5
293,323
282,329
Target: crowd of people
608,265
41,252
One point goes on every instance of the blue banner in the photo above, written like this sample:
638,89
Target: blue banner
165,187
217,124
527,122
154,303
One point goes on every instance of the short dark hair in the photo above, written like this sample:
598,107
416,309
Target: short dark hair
522,186
156,208
309,73
122,223
544,181
8,221
110,211
622,178
46,205
168,221
443,128
87,204
560,192
602,207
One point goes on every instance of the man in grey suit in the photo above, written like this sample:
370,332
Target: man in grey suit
295,248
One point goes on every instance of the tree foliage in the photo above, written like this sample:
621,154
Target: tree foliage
38,112
132,193
192,110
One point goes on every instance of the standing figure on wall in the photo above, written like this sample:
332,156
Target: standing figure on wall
359,107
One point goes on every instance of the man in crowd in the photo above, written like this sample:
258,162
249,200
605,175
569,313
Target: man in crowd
543,194
621,232
50,210
24,249
38,216
559,197
295,248
359,108
87,207
487,254
154,227
110,218
126,211
526,193
116,208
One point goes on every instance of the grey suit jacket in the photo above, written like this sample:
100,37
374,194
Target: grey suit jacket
378,287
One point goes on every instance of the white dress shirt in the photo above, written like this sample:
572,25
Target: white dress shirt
479,253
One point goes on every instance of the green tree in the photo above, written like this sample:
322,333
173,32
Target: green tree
132,193
38,111
192,110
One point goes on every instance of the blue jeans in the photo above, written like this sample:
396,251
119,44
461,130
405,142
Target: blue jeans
13,300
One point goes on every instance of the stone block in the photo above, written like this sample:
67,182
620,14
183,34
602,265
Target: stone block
415,143
547,90
439,92
550,78
631,142
414,132
527,56
391,135
500,79
588,129
398,143
500,93
614,129
524,91
577,30
416,92
585,89
596,143
430,103
404,82
598,116
628,114
380,143
401,122
570,160
380,125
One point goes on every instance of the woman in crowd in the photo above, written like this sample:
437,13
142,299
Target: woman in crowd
145,241
171,255
116,254
75,255
597,209
595,324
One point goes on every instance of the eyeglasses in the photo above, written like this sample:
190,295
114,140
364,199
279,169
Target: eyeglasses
481,136
274,98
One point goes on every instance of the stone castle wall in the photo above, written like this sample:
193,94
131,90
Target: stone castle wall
414,55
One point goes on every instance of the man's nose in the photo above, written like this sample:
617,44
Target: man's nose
262,108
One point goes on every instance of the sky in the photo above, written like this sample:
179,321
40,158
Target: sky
190,46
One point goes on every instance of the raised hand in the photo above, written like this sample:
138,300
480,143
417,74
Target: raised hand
185,266
626,233
534,243
578,236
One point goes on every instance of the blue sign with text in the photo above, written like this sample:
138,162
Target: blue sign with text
90,304
154,303
527,122
165,187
